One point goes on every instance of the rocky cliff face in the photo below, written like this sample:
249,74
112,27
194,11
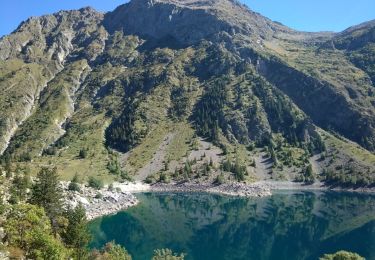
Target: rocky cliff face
35,53
189,22
82,80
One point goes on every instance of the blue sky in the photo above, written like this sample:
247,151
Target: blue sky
306,15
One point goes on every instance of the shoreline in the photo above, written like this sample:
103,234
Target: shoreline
318,186
230,189
121,197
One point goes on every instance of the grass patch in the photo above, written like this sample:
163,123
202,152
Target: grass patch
180,143
145,151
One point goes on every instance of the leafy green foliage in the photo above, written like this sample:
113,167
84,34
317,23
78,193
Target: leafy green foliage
51,150
28,228
163,178
20,184
110,251
220,179
115,168
95,183
342,255
309,175
166,254
83,153
346,176
73,185
236,168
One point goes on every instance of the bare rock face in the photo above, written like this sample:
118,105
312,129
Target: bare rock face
188,22
165,21
51,38
35,53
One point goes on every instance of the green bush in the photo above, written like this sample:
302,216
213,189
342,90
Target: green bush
167,254
28,228
164,178
73,185
111,251
98,196
95,183
220,179
150,179
342,255
52,150
83,153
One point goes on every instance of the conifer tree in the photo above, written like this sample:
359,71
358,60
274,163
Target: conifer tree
46,192
77,235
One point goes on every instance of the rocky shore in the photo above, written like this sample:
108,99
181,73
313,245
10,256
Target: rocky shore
231,189
99,202
106,202
316,186
103,202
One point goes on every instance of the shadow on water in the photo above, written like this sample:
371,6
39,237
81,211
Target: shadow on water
287,225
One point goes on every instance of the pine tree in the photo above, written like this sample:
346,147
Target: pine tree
239,171
76,235
309,174
227,166
46,192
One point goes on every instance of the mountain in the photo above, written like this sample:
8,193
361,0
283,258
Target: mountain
158,89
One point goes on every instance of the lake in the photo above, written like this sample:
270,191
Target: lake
286,225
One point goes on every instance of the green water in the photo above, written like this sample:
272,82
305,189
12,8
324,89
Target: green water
287,225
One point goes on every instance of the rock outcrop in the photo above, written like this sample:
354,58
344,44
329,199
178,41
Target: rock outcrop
99,202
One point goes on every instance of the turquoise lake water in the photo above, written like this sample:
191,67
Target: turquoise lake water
287,225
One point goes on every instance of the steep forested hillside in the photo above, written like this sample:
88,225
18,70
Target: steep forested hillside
188,89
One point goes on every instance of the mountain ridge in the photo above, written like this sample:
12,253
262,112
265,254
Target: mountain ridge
146,69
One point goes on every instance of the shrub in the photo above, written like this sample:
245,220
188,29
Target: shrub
95,183
125,176
163,178
111,251
83,153
52,150
25,157
309,175
73,185
28,228
342,255
220,179
166,254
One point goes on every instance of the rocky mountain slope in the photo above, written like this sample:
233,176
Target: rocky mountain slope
188,89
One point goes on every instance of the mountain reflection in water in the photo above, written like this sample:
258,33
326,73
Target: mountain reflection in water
287,225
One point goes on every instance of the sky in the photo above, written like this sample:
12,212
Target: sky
305,15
